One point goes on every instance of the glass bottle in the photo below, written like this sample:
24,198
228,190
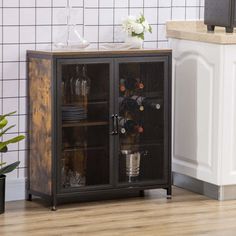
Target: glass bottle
78,81
129,104
63,96
151,103
76,84
86,82
130,126
67,90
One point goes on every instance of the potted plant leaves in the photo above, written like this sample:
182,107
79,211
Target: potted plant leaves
4,168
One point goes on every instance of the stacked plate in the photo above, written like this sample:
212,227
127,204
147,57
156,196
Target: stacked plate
73,113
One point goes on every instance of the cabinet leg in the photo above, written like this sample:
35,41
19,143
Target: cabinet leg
229,29
29,197
141,193
169,193
54,208
54,204
210,28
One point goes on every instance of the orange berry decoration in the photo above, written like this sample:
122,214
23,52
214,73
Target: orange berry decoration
141,85
122,88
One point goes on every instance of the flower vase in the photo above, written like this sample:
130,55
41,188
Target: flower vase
135,42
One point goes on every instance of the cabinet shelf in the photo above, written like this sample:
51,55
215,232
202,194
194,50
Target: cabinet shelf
143,144
74,149
92,102
84,123
97,102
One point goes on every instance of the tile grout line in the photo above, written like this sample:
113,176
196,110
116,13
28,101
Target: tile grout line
98,27
185,9
144,15
113,29
18,100
157,24
51,25
1,157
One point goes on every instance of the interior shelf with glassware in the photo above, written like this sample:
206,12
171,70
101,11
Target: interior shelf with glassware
110,122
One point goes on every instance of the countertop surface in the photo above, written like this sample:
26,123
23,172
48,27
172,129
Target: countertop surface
197,31
91,52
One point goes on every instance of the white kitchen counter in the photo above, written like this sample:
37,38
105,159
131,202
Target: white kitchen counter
197,31
204,109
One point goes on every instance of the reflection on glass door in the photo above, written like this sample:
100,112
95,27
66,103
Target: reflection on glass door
85,125
141,121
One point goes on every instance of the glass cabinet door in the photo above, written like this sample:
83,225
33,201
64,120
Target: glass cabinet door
141,121
85,125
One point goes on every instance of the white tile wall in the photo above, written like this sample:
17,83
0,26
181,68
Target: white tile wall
35,24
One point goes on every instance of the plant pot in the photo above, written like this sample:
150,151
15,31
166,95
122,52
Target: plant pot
2,193
136,42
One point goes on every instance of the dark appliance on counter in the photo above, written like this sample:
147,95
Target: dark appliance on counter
220,13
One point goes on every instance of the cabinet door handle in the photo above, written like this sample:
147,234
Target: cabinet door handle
117,124
113,125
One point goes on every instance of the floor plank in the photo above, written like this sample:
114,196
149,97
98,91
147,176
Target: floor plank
186,214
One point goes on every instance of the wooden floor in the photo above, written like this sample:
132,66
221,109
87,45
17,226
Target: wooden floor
186,214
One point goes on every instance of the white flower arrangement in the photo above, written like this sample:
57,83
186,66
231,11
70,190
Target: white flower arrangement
136,27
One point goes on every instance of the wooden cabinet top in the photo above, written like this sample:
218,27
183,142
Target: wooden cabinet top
98,53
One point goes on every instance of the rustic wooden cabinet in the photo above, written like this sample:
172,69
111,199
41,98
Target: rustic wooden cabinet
99,123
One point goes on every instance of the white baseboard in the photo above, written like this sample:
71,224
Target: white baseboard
15,189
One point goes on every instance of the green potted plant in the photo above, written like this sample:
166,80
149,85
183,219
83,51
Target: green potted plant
4,168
